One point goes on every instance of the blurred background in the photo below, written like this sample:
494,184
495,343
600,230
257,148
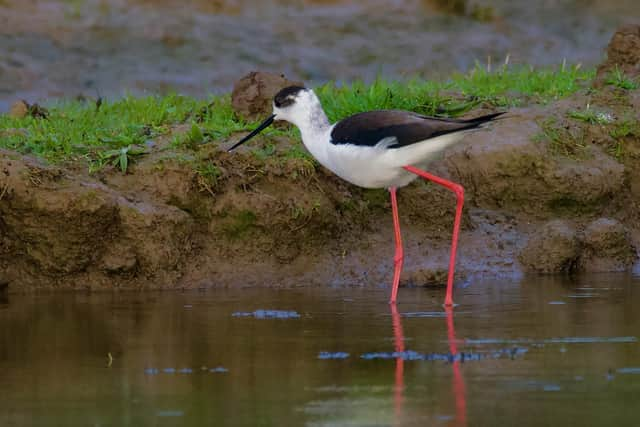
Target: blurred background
65,48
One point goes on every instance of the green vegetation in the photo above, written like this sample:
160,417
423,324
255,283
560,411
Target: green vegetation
239,223
591,116
620,131
506,87
80,129
620,80
119,157
563,141
107,132
208,176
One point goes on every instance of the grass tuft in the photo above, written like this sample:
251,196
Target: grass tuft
591,116
562,141
620,80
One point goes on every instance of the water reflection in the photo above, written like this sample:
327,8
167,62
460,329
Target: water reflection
398,336
459,389
458,386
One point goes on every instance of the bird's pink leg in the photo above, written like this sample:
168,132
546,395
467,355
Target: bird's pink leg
398,259
459,191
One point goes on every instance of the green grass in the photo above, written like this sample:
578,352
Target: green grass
562,141
239,223
81,130
505,87
620,80
208,176
591,116
120,157
620,131
76,128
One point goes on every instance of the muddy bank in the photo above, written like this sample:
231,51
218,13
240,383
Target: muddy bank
281,221
549,189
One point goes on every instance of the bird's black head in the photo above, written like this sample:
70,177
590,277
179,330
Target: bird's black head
282,102
287,96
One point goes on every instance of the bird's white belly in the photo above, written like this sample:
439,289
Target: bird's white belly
367,167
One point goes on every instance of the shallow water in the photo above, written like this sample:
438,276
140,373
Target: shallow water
528,353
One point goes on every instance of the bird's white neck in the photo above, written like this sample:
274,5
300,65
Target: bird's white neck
315,129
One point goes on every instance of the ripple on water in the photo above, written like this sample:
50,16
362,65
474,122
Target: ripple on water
560,340
155,371
334,355
267,314
447,357
630,370
425,314
169,413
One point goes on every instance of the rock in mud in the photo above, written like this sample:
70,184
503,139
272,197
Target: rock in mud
253,94
623,53
22,108
118,259
19,109
606,247
553,249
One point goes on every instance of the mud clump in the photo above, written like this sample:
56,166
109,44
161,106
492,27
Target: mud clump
20,109
253,94
430,278
554,249
606,247
623,53
603,246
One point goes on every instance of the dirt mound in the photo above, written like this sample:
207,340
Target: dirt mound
555,248
606,247
603,246
623,54
253,94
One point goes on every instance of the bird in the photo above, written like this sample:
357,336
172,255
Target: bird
377,149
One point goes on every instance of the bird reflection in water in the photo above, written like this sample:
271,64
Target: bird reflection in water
398,336
459,389
458,386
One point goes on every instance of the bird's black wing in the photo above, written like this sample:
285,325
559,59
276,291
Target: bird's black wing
369,128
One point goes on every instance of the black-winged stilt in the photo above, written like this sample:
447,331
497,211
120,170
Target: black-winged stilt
376,149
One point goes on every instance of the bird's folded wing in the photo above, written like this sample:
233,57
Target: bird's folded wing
369,128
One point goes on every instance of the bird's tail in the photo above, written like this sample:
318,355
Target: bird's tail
484,119
435,147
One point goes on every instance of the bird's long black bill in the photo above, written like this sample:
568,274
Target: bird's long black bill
259,129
